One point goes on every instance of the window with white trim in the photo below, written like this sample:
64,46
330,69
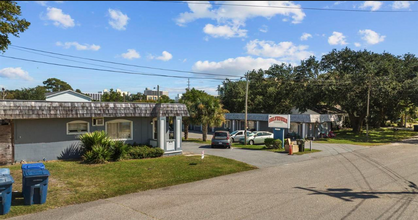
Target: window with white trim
77,127
98,121
120,129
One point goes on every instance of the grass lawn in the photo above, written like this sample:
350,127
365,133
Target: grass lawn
262,147
376,137
72,182
198,140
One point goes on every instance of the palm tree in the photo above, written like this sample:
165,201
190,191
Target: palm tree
203,109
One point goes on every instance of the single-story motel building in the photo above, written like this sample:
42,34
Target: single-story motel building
37,130
308,124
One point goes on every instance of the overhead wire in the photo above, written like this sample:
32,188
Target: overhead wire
286,7
118,63
107,70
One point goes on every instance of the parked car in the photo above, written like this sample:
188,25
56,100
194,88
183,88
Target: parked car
222,139
237,135
257,137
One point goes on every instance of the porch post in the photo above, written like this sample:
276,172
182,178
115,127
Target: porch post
177,132
257,125
303,130
233,125
161,133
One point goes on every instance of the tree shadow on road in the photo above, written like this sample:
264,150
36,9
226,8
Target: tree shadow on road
349,195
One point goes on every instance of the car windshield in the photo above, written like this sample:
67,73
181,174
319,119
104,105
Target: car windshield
221,134
234,132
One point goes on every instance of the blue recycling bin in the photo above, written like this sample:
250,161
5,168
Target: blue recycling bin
6,183
30,166
34,184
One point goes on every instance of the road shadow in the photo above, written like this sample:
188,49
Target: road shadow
349,195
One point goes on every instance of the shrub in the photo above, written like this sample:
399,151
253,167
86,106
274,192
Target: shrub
141,152
269,143
119,150
97,154
277,144
93,139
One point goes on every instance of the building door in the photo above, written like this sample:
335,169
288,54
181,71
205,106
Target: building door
6,144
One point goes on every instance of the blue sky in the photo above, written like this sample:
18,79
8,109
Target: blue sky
195,37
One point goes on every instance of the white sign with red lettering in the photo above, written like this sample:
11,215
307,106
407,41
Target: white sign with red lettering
279,121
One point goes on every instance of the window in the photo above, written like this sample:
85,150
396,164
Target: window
240,133
98,121
77,127
120,129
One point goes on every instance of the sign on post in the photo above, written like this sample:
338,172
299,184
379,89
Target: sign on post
279,121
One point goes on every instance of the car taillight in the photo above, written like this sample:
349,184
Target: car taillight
227,137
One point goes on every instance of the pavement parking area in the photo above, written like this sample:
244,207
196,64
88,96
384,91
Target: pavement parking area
262,159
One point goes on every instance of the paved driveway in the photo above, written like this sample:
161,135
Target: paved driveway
263,159
368,183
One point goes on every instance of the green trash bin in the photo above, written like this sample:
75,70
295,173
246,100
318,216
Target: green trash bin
415,127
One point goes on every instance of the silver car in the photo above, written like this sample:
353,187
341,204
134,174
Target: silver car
257,137
237,135
221,138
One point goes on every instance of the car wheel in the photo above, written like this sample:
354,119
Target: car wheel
211,146
232,139
251,142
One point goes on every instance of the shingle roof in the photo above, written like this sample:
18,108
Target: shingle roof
20,109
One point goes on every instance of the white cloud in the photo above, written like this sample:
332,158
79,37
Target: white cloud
264,29
15,73
118,19
371,37
285,50
373,5
238,15
131,54
78,46
60,19
339,2
236,66
357,44
401,4
224,31
166,56
43,3
185,60
305,36
337,38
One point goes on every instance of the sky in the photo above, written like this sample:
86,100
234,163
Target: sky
204,38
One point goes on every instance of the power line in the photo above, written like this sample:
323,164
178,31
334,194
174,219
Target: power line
286,7
117,63
107,70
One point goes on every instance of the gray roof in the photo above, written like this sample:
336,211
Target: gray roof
22,109
300,118
52,94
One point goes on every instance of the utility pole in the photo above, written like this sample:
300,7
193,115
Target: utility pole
246,108
188,83
368,111
158,93
3,93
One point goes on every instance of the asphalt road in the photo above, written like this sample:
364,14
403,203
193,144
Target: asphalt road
365,183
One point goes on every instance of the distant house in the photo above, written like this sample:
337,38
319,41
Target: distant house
34,130
67,96
153,94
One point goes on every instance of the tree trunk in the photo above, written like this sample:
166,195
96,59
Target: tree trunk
204,132
356,123
186,130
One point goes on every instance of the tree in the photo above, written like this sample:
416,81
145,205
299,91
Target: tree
36,93
55,85
112,96
138,97
10,23
165,99
203,109
78,90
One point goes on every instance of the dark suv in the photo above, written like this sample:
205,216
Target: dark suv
222,139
